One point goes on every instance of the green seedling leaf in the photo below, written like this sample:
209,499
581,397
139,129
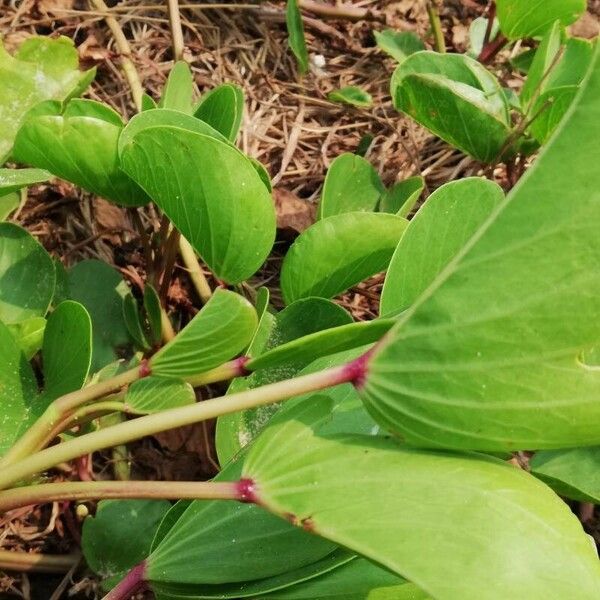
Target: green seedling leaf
101,289
178,92
27,276
573,473
211,193
153,309
488,356
80,146
457,99
153,394
29,335
351,184
67,350
120,536
223,109
148,103
522,61
520,19
296,40
437,233
12,180
133,322
352,95
477,31
357,579
42,69
401,198
300,319
398,44
8,204
338,252
219,332
424,521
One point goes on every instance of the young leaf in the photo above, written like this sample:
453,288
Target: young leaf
43,68
520,19
398,44
211,193
12,180
572,473
449,218
8,204
456,98
425,520
477,31
132,318
488,355
179,90
148,102
153,394
223,109
401,198
338,252
27,276
220,331
29,335
101,289
79,145
296,40
352,95
351,184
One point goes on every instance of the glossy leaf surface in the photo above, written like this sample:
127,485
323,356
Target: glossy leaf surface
223,109
398,44
29,335
8,204
154,393
179,89
401,198
12,180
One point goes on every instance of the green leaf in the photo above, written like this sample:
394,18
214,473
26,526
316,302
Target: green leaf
358,579
153,309
18,388
338,252
12,180
420,514
153,394
132,318
211,193
520,19
27,277
148,102
67,350
446,222
573,473
550,108
120,536
352,95
42,69
477,31
398,44
456,98
351,184
223,109
80,146
296,40
8,204
489,355
29,335
101,289
522,61
401,198
219,332
179,90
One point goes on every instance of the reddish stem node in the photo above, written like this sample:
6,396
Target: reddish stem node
355,372
246,491
145,369
240,364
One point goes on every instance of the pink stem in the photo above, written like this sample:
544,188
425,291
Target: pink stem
130,584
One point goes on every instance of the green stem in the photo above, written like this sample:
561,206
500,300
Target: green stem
436,26
193,268
150,490
178,417
224,372
41,563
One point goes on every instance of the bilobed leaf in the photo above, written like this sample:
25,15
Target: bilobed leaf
211,193
219,332
8,204
398,44
351,184
401,198
449,218
520,19
488,356
154,393
80,146
179,89
29,335
101,289
573,473
456,98
421,513
223,109
352,95
43,68
12,180
338,252
296,40
132,318
27,276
